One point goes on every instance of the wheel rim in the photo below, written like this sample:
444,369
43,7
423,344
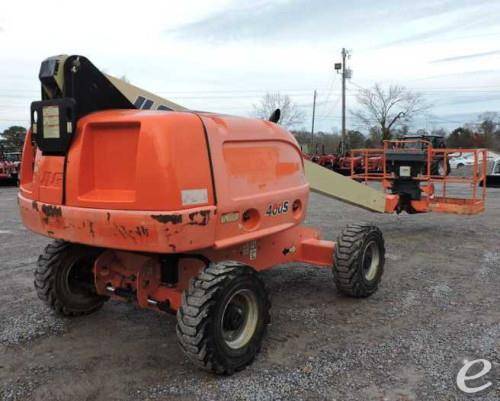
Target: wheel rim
371,260
78,278
239,319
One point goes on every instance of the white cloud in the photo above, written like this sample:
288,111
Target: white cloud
221,57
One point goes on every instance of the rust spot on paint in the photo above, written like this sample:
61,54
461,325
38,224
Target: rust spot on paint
142,231
126,234
34,205
52,211
173,247
167,218
108,217
199,218
50,232
91,229
121,230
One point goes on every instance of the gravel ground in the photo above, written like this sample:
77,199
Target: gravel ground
437,306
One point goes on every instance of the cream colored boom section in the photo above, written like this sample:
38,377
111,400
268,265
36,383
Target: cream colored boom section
132,92
339,187
321,180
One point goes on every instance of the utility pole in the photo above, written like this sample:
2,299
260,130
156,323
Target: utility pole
344,56
314,114
346,74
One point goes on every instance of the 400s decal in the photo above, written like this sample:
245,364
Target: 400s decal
275,209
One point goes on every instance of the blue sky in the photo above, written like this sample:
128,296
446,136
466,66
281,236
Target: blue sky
224,55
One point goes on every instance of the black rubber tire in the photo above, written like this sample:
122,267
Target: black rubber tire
348,260
199,319
52,276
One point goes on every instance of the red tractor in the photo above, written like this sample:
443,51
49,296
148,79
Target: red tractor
327,160
8,169
375,164
349,163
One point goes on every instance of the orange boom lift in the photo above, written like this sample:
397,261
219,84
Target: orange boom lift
177,211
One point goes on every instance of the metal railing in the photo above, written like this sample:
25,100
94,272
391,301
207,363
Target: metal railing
374,168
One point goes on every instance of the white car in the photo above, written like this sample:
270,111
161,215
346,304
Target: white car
468,159
460,161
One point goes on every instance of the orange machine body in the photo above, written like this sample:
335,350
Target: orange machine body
172,183
166,182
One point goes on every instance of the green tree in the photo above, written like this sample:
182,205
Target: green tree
460,138
13,138
374,139
355,139
488,125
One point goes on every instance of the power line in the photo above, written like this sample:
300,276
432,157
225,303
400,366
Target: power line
431,92
329,94
208,91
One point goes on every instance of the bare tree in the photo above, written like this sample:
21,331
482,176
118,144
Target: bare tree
388,108
291,115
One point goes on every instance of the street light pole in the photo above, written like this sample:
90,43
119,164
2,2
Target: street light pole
346,74
344,56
